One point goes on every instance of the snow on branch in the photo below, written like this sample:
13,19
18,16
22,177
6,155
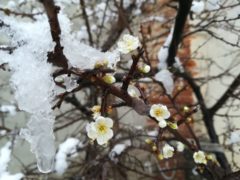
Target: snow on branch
33,84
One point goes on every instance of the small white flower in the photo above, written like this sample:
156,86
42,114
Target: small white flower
199,157
109,79
160,113
180,146
100,130
128,44
167,151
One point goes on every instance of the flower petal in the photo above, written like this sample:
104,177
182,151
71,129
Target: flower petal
109,134
109,122
91,131
101,140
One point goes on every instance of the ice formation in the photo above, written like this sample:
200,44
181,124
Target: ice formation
5,158
32,81
34,88
67,147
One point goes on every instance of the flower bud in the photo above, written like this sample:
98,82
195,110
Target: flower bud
101,64
144,68
109,79
154,147
148,141
172,125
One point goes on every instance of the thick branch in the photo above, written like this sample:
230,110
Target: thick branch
235,84
132,70
183,11
57,57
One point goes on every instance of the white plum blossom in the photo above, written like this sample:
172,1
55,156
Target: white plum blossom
168,151
128,43
100,130
160,113
197,7
180,146
199,157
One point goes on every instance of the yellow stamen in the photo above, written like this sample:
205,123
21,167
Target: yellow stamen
102,128
158,112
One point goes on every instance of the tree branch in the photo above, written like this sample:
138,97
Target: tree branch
181,18
235,84
118,27
207,119
85,16
57,57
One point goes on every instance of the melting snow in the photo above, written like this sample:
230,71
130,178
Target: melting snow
67,147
